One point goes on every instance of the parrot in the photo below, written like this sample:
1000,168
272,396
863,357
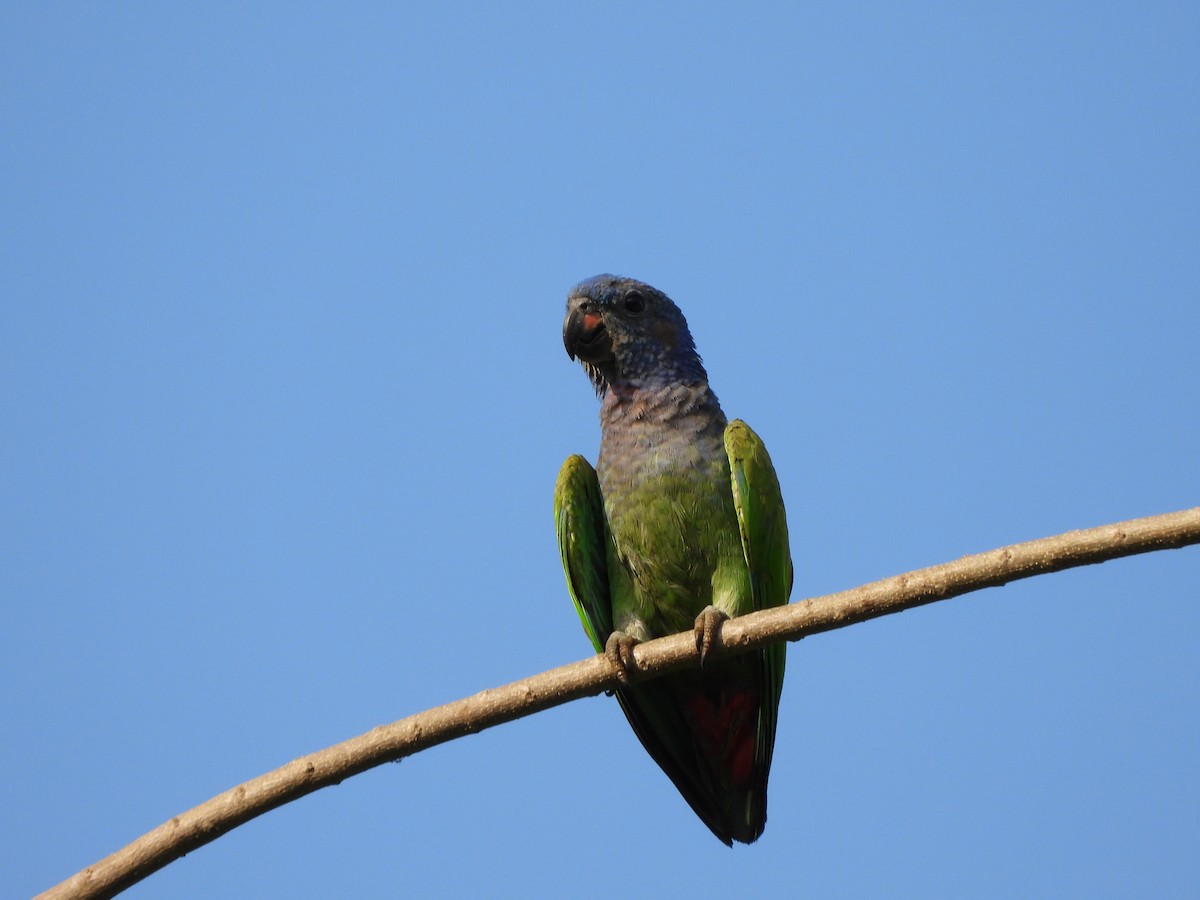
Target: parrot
679,526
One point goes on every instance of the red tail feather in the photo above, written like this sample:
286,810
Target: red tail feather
726,731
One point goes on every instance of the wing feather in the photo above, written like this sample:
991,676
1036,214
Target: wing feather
763,525
582,542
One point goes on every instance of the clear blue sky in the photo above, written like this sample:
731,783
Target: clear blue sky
284,398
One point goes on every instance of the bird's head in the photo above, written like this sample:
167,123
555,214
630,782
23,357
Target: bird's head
625,331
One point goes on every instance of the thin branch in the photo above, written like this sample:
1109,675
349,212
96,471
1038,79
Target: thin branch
410,735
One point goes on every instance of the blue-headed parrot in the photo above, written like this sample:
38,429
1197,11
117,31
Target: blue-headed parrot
680,524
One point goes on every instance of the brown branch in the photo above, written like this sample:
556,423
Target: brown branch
410,735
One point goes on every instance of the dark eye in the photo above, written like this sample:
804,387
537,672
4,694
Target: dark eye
634,302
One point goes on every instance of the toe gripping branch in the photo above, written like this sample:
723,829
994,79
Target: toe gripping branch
708,630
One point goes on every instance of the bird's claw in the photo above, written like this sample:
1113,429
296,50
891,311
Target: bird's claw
708,629
618,649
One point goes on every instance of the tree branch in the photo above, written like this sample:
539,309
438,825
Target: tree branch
226,811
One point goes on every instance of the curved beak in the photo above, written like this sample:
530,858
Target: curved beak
584,335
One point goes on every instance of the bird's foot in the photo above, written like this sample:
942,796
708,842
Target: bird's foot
708,629
619,651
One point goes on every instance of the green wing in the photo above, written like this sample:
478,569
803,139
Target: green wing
582,541
763,524
761,520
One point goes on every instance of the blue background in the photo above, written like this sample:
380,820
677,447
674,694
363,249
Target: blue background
284,398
